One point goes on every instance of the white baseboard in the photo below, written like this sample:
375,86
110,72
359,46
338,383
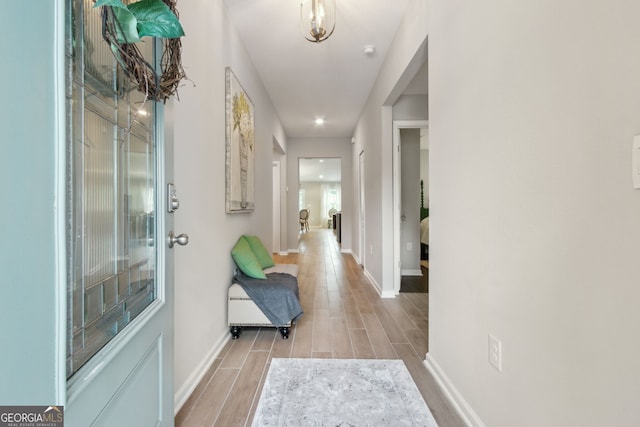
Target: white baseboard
376,286
346,251
355,257
372,281
180,397
293,251
283,253
461,406
388,294
411,272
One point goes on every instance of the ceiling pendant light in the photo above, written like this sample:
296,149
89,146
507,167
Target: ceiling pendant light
317,19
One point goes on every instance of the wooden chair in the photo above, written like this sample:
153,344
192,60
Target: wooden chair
304,220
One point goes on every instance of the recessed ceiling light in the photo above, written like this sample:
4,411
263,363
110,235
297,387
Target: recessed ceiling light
321,160
319,121
369,50
321,176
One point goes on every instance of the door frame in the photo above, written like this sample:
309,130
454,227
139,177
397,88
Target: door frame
361,207
276,206
397,198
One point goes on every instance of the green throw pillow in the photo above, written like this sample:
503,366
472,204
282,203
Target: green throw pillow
246,260
263,255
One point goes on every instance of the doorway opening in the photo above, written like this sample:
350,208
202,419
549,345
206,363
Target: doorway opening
410,141
320,193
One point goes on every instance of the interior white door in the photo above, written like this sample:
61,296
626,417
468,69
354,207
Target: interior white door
361,210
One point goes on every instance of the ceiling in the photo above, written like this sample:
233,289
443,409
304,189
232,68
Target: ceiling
329,80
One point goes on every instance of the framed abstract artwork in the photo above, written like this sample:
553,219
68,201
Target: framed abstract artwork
240,147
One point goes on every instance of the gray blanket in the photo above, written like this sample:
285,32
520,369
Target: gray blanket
277,296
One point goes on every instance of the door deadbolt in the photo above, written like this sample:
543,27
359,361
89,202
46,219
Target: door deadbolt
172,199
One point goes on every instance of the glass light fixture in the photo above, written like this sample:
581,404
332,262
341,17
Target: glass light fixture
317,19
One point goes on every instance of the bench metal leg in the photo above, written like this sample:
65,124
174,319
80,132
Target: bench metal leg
235,332
284,331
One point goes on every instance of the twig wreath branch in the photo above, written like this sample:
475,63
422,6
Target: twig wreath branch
123,26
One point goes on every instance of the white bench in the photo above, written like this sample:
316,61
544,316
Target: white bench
242,311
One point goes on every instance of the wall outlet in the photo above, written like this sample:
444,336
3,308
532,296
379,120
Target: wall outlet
495,352
409,246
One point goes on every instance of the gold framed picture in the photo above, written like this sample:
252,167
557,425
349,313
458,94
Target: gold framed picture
240,147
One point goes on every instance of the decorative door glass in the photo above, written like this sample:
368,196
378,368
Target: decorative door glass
110,190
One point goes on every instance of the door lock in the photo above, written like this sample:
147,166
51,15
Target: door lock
181,239
172,199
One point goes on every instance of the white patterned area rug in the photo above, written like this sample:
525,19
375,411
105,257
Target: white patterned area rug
340,392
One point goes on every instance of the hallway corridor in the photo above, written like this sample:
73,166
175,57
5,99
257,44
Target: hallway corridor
343,318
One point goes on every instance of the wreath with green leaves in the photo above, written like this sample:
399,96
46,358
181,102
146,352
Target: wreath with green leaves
124,25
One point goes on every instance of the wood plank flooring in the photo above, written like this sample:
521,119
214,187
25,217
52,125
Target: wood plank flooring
418,284
343,318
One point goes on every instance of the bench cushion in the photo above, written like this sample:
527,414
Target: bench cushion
246,260
258,249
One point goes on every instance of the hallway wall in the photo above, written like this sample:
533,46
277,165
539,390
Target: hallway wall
535,226
373,135
204,268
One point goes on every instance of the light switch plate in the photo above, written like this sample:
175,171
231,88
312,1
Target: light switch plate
635,161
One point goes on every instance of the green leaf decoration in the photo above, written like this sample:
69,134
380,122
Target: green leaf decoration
126,26
151,18
111,3
155,19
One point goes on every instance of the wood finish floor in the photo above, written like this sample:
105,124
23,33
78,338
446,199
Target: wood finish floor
418,284
344,317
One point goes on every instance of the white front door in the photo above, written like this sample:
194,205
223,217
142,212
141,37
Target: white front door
120,263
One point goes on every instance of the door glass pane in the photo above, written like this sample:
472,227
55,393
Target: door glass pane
111,191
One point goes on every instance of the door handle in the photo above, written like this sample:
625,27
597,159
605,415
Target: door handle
181,239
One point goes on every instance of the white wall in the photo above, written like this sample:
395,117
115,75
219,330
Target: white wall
204,268
280,156
373,135
535,225
319,147
411,107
